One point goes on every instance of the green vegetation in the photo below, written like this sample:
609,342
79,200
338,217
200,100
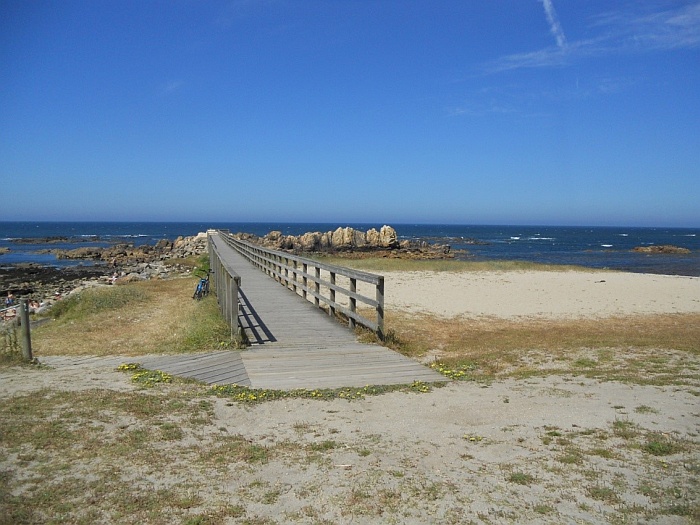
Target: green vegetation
81,307
521,478
134,319
244,394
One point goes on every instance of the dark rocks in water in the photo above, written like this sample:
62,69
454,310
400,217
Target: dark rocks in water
661,249
43,281
60,240
111,265
3,251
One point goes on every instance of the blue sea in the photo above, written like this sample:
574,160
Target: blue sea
595,247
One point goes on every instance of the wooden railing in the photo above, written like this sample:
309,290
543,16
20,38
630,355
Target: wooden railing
311,279
226,284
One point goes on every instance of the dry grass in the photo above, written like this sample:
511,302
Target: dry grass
159,316
648,348
395,264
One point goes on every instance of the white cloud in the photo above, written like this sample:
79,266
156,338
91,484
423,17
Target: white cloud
554,25
623,31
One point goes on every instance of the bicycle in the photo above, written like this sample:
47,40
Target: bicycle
202,288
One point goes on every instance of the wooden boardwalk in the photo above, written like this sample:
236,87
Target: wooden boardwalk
293,345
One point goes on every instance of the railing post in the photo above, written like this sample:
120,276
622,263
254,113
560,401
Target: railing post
353,302
380,308
294,277
235,328
331,308
317,285
305,269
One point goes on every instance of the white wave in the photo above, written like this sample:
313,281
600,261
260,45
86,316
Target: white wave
515,238
606,245
540,238
624,234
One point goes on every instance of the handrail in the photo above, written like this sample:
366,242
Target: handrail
226,284
304,276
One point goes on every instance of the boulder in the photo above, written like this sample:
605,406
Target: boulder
310,241
372,237
388,237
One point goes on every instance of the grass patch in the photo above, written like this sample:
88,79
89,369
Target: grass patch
396,264
93,301
603,493
660,445
157,316
246,395
625,429
644,409
655,349
520,478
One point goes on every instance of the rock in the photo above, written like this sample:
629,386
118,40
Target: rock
661,249
372,237
129,278
3,251
310,241
388,237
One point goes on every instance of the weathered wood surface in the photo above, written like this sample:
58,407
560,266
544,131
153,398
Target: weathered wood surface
294,345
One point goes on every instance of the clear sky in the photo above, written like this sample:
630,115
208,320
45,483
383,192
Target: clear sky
546,112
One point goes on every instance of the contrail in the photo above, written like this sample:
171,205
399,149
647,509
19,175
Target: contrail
554,25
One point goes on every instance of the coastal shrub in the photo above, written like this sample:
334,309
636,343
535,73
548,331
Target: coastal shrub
9,344
96,300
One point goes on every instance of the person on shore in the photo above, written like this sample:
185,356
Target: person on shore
9,300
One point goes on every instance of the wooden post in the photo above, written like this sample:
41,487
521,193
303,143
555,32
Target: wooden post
380,308
331,308
305,268
26,335
353,302
317,285
235,335
294,277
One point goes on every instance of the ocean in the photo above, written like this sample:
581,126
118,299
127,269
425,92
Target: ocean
595,247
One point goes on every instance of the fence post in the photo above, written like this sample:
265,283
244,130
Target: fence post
353,302
317,285
26,335
331,308
238,330
380,308
305,269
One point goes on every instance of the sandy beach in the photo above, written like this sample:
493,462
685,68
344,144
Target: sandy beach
541,294
545,450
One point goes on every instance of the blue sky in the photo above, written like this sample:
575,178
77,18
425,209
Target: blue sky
548,112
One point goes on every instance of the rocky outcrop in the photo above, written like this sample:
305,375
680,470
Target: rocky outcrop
121,254
661,249
352,243
341,239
